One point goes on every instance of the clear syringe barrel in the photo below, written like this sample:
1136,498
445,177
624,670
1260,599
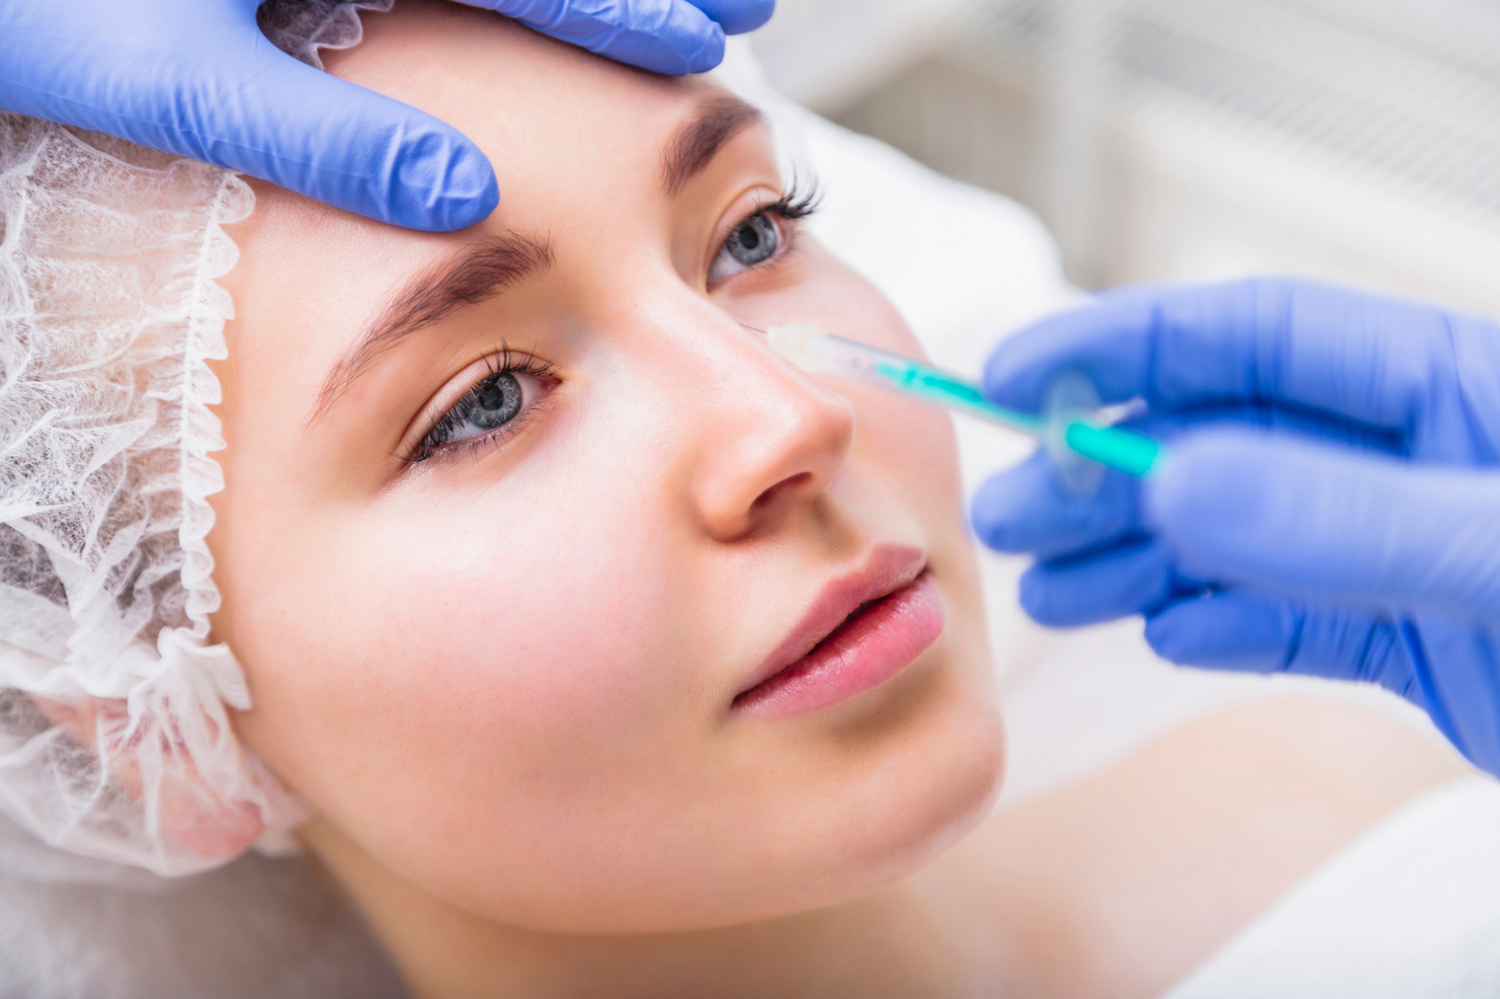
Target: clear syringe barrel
1069,428
815,350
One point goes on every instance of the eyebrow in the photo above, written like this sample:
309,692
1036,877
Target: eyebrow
473,275
695,142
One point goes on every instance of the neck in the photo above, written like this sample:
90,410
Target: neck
888,944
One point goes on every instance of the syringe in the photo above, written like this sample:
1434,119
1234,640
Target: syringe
1070,427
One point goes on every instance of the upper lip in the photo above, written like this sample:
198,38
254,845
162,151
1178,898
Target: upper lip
884,570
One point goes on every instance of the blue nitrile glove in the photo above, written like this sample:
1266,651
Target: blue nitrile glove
1330,504
197,78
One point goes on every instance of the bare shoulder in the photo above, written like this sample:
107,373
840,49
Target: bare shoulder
1120,884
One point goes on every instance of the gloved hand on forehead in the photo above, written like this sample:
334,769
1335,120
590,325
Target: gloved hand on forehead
1330,504
197,78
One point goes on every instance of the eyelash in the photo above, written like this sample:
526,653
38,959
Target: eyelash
501,361
792,206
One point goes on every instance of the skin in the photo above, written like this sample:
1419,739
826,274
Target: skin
503,678
498,670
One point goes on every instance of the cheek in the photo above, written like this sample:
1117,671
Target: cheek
549,624
509,638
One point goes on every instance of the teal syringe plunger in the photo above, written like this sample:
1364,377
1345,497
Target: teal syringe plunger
1071,426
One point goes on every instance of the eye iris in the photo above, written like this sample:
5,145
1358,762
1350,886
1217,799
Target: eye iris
497,402
754,241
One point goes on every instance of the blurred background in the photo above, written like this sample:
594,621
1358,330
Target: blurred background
1163,140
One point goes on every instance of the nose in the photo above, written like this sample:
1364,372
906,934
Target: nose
770,441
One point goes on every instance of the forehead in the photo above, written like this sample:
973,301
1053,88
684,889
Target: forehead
534,105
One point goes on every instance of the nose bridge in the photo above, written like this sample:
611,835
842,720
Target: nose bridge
768,391
764,437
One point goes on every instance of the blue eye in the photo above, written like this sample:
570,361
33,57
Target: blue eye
494,402
488,408
763,235
753,242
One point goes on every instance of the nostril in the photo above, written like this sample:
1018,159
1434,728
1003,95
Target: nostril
792,482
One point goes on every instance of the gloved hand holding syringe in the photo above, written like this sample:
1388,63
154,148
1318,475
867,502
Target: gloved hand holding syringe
1254,548
1329,508
1075,430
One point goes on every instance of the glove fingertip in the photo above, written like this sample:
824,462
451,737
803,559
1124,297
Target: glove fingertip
1052,603
440,183
993,513
1023,365
1036,598
471,195
708,54
1220,631
677,51
737,17
1113,582
1023,509
1010,378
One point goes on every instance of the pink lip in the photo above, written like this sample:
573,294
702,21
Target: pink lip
864,628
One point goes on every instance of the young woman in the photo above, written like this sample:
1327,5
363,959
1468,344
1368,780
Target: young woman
606,654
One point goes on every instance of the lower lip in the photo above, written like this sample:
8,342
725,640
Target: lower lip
860,655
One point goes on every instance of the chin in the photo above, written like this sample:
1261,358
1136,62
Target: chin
942,784
928,775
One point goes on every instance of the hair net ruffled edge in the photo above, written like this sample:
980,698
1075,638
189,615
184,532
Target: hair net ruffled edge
116,743
303,28
115,747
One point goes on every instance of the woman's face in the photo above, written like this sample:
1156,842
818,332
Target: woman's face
517,518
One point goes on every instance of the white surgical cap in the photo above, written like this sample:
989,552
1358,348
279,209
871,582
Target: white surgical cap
115,742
